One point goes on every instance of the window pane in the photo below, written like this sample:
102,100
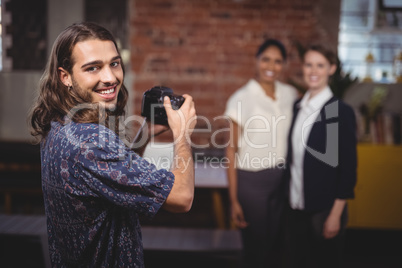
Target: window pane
356,14
365,29
28,33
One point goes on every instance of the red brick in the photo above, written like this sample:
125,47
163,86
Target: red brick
206,48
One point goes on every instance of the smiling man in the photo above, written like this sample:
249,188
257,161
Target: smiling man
97,71
94,186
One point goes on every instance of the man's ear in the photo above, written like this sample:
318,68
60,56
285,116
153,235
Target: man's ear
64,76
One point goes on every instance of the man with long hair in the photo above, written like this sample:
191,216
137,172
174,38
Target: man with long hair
95,187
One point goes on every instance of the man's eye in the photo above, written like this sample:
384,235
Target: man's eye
115,64
92,69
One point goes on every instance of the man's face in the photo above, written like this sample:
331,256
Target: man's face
97,70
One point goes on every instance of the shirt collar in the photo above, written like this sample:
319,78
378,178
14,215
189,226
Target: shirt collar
318,101
257,86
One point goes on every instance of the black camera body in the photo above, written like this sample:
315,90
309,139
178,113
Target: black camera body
152,104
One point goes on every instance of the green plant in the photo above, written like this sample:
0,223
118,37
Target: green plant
340,81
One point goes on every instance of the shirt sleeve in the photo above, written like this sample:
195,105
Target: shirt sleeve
347,153
231,110
105,168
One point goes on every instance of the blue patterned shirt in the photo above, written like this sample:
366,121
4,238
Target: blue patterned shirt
94,188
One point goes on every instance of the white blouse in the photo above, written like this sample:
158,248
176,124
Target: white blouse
264,122
306,117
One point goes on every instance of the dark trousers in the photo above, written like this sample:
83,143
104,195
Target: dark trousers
305,244
262,199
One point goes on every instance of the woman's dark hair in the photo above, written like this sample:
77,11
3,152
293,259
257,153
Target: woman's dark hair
272,42
55,100
328,53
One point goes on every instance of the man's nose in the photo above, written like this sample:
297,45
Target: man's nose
107,75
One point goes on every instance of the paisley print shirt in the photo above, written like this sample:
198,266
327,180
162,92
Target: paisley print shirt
94,189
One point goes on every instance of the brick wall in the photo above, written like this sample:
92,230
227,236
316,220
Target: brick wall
206,47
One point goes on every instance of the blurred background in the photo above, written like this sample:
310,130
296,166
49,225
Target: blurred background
206,48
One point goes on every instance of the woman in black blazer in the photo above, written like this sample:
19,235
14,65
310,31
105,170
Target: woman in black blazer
321,171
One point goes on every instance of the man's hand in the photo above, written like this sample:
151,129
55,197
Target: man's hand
182,121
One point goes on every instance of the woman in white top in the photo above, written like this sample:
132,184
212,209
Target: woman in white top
260,113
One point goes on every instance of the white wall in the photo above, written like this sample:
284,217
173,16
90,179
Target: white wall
17,94
62,13
18,89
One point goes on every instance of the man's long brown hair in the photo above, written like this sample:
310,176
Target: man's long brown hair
55,100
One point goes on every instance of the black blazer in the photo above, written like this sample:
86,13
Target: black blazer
330,160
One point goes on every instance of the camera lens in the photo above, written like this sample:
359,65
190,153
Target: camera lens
173,101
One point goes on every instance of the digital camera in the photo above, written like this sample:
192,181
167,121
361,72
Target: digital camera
152,104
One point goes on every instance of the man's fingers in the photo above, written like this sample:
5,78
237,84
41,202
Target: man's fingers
167,103
168,106
188,99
